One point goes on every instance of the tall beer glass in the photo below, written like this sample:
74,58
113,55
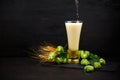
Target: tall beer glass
73,29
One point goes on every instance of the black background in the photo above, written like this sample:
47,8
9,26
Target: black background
27,23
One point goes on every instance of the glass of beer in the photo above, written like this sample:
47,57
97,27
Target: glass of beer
73,29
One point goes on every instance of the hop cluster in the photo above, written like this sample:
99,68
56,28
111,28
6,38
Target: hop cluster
88,60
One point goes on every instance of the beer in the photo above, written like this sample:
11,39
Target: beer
73,29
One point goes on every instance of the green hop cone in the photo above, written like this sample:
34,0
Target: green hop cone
58,60
60,49
84,62
87,52
97,65
64,60
61,60
84,54
102,61
51,56
88,68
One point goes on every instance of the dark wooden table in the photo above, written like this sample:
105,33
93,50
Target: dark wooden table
25,68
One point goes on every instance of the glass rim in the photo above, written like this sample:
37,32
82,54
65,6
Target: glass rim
73,21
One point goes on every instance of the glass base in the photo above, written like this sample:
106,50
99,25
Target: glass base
73,61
